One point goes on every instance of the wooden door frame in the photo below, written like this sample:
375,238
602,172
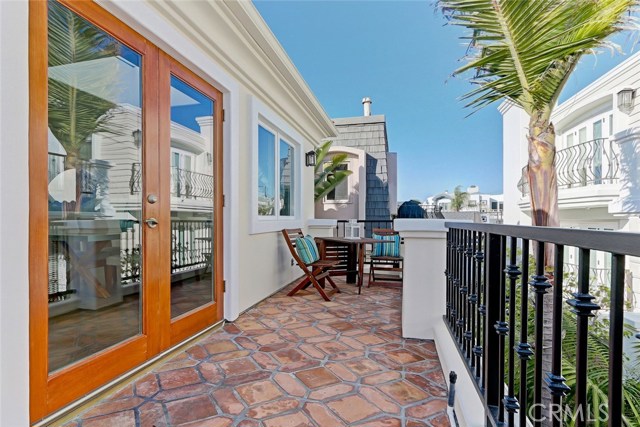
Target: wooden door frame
191,322
51,392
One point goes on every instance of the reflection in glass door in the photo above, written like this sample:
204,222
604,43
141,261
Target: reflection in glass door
94,127
192,198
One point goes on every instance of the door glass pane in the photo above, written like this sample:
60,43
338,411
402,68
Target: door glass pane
94,201
287,170
192,196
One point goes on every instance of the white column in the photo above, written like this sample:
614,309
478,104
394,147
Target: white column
424,285
424,304
628,202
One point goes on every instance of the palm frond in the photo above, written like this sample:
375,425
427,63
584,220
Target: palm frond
327,174
524,50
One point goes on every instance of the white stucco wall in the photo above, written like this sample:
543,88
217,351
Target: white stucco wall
355,207
14,206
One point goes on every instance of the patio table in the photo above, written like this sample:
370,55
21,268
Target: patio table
359,245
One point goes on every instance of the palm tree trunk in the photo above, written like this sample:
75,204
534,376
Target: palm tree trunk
544,212
542,172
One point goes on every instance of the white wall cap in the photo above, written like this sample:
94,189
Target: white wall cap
315,222
418,224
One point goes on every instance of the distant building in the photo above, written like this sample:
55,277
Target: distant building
371,191
597,162
478,207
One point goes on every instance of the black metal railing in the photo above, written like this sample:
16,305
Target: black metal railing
501,325
590,163
191,249
369,225
184,183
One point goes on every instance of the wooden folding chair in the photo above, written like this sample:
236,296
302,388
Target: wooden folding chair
315,273
384,269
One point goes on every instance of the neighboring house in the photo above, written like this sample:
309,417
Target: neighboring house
597,162
370,193
478,207
131,233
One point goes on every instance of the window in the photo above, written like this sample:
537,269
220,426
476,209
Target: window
597,129
570,140
341,192
276,174
287,168
271,190
582,135
610,124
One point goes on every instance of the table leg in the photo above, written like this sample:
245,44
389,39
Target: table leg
360,266
351,263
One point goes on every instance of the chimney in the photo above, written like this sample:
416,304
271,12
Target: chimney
367,106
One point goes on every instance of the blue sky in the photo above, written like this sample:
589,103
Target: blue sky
401,54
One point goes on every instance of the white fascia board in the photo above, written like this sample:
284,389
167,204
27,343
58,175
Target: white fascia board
594,91
243,27
262,35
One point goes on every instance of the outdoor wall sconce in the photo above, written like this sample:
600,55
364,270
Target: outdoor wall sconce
209,158
310,158
625,100
137,137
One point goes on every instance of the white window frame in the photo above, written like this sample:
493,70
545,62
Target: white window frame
261,115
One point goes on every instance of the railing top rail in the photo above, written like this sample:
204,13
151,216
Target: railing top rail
616,242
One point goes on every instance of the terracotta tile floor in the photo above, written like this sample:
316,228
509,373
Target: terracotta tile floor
292,362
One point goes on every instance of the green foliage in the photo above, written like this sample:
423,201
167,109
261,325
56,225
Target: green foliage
597,360
327,175
74,114
459,198
525,50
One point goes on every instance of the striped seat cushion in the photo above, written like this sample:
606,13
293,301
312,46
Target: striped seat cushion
307,249
387,249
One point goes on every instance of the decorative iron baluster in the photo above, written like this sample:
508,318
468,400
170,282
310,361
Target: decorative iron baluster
480,311
616,332
524,348
501,328
473,301
468,252
513,272
583,307
555,380
493,383
447,274
460,279
540,284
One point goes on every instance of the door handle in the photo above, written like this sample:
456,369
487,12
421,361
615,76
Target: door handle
151,222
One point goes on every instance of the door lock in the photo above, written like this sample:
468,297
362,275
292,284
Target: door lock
151,222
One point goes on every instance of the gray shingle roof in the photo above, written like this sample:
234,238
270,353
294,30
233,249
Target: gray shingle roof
370,135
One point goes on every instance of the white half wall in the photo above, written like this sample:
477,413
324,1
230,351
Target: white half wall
424,305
